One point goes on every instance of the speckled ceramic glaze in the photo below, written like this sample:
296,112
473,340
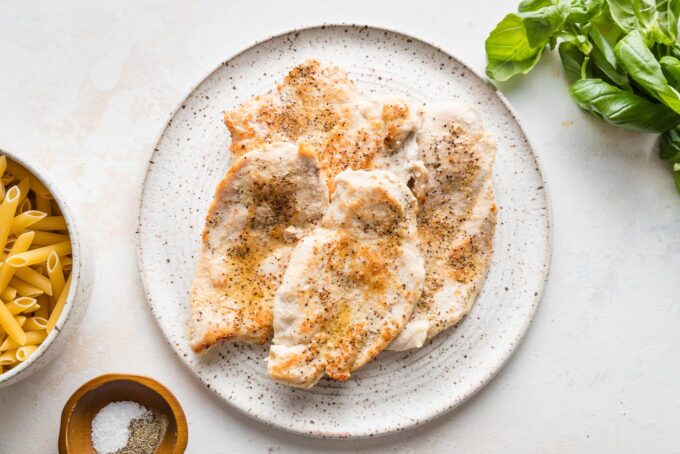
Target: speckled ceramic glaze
78,297
397,390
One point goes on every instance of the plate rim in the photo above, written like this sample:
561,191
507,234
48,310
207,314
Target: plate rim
545,268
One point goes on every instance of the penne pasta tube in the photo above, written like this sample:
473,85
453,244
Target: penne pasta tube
66,263
35,256
20,245
59,307
56,276
21,320
56,209
51,223
44,307
36,186
24,288
46,238
35,324
21,305
8,209
11,326
43,204
25,206
23,353
8,294
35,279
8,357
3,164
26,219
23,189
32,338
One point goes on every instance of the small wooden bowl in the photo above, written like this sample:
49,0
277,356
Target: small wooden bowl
76,419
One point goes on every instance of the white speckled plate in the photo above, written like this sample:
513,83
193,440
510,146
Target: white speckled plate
397,390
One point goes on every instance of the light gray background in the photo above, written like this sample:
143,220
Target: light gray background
85,89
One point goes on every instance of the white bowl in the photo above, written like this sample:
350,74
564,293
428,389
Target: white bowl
78,297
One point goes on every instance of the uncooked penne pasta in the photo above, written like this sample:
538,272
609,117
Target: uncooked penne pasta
35,263
23,190
35,324
66,263
22,305
56,275
8,357
51,223
59,307
37,280
25,219
10,325
36,186
8,208
43,204
46,238
35,256
8,294
20,245
32,338
24,206
24,352
24,288
43,310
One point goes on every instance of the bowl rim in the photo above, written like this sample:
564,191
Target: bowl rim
58,197
148,382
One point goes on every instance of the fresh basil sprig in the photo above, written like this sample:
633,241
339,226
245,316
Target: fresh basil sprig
622,58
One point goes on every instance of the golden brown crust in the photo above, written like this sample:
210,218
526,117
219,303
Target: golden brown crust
351,284
318,105
245,248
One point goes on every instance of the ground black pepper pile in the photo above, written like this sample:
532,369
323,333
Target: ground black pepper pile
145,436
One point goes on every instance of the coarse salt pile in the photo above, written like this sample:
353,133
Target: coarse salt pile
111,426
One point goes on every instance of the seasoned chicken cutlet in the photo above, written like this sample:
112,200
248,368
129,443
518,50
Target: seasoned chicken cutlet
264,204
351,285
456,219
318,105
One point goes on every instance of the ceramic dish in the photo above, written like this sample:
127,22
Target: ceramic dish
75,434
397,390
78,297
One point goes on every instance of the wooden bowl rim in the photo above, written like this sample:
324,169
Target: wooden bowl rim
96,382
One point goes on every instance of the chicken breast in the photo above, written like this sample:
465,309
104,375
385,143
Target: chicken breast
318,105
351,285
264,204
456,219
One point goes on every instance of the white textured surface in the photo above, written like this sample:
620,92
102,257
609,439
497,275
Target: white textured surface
86,89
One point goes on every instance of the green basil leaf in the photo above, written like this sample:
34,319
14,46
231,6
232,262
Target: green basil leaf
580,41
658,19
581,11
676,176
666,28
623,13
508,51
604,58
572,60
639,62
533,5
621,108
541,25
645,11
669,147
671,69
